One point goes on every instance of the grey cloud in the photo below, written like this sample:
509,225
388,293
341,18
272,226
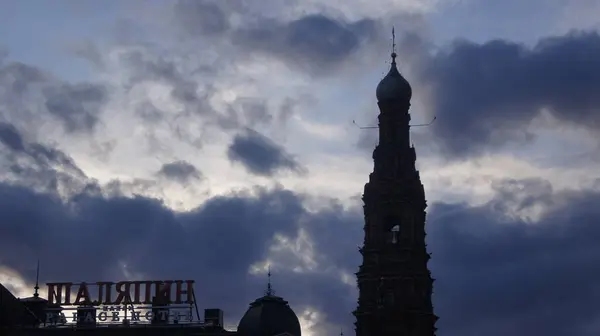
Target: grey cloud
180,171
287,108
260,155
3,53
37,165
24,88
102,150
254,111
315,42
77,106
290,106
149,113
198,119
46,156
201,17
90,52
145,66
195,95
17,77
10,137
125,188
486,95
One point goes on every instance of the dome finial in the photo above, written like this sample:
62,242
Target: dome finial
393,45
269,291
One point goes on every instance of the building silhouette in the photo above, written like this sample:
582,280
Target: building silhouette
269,315
395,285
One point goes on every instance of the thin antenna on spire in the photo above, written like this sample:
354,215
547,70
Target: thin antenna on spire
427,124
415,125
341,331
269,291
393,45
393,40
363,127
37,280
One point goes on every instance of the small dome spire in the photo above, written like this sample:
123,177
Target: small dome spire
37,280
269,291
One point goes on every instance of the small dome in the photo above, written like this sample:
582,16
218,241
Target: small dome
393,86
268,316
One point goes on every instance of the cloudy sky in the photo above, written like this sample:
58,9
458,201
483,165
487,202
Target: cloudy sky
211,139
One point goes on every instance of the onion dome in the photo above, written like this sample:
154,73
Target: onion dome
393,86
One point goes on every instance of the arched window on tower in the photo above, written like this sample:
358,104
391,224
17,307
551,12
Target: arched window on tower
395,234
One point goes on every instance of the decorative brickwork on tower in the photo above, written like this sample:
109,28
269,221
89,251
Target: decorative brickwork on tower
394,282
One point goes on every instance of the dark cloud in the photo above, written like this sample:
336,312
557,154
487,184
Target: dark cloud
496,274
180,171
499,275
486,95
260,155
214,244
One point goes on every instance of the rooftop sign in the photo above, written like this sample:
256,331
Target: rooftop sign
123,292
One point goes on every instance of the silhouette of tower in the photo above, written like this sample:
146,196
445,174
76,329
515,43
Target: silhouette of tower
394,282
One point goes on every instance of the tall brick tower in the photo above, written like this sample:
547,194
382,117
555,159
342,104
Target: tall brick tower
394,282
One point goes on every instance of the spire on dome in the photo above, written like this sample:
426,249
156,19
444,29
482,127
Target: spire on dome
37,280
269,291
